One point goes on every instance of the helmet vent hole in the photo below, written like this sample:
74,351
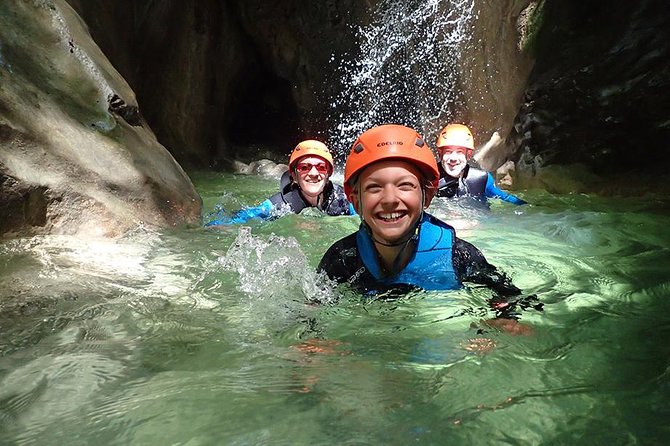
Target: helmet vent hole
358,148
419,142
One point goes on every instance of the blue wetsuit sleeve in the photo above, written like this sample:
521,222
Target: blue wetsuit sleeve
492,191
262,211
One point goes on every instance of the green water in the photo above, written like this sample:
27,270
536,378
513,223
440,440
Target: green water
207,337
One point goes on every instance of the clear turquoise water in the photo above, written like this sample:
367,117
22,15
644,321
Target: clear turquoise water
204,336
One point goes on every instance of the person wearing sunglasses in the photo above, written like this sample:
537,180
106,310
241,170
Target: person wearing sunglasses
305,184
455,146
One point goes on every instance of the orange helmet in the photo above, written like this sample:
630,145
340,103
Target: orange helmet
310,147
456,135
391,141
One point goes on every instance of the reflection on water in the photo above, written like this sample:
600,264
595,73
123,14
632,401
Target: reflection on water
228,336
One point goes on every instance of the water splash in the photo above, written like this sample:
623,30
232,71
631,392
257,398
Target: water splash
274,268
406,72
222,215
277,284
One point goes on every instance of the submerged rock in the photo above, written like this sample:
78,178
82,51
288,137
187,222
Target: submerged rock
76,156
505,175
264,167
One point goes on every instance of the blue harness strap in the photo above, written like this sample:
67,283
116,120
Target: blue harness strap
431,266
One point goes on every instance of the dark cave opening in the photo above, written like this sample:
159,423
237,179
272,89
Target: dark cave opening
262,117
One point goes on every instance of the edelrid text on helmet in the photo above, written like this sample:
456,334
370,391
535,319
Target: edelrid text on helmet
390,141
310,147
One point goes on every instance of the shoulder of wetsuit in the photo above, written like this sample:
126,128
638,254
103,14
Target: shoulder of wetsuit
447,186
285,181
470,255
340,258
336,202
435,235
474,175
328,193
430,218
288,194
277,199
285,186
446,180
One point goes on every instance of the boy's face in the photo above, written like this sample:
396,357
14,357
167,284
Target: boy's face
454,159
390,199
312,173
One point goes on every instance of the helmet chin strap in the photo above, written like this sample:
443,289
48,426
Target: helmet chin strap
412,233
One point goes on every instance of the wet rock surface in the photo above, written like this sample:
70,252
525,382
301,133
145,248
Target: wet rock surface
75,154
214,78
78,153
598,96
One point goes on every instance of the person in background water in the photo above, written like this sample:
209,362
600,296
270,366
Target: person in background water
455,146
305,184
391,176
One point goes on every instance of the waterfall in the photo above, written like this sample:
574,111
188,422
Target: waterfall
406,69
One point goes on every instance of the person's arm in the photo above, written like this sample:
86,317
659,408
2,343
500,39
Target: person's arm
492,191
471,266
262,211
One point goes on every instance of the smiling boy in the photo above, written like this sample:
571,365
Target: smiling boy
390,177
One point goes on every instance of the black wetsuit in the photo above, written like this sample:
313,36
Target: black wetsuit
440,261
474,183
334,202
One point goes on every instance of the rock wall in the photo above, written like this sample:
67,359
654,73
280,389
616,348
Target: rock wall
76,156
493,78
185,60
216,79
595,114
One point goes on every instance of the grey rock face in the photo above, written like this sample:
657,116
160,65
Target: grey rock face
598,94
76,156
